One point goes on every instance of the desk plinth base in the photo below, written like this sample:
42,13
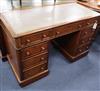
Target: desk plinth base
33,79
68,55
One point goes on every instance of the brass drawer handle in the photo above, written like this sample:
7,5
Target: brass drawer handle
88,23
80,50
27,53
80,26
85,33
43,48
42,58
90,39
57,32
87,47
28,40
44,36
83,41
42,68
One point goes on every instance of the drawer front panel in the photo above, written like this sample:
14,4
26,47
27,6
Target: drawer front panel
87,23
65,29
34,61
47,34
34,38
35,71
87,32
83,41
34,50
30,38
82,49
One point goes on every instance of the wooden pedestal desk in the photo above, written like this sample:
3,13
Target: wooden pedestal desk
27,34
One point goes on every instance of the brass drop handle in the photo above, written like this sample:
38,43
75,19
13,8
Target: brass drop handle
27,53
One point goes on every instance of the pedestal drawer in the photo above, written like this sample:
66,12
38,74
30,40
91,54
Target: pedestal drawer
34,50
35,71
34,61
82,49
87,23
87,32
85,40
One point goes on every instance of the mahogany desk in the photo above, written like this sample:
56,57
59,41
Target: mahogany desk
27,34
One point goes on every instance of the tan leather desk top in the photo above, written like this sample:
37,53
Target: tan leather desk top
22,22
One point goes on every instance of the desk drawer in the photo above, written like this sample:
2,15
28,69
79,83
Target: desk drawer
87,23
82,49
31,62
87,32
47,34
34,38
34,71
34,50
86,40
65,29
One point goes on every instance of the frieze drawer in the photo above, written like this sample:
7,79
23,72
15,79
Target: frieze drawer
65,29
86,23
34,38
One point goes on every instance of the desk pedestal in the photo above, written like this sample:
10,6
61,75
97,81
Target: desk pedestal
76,45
